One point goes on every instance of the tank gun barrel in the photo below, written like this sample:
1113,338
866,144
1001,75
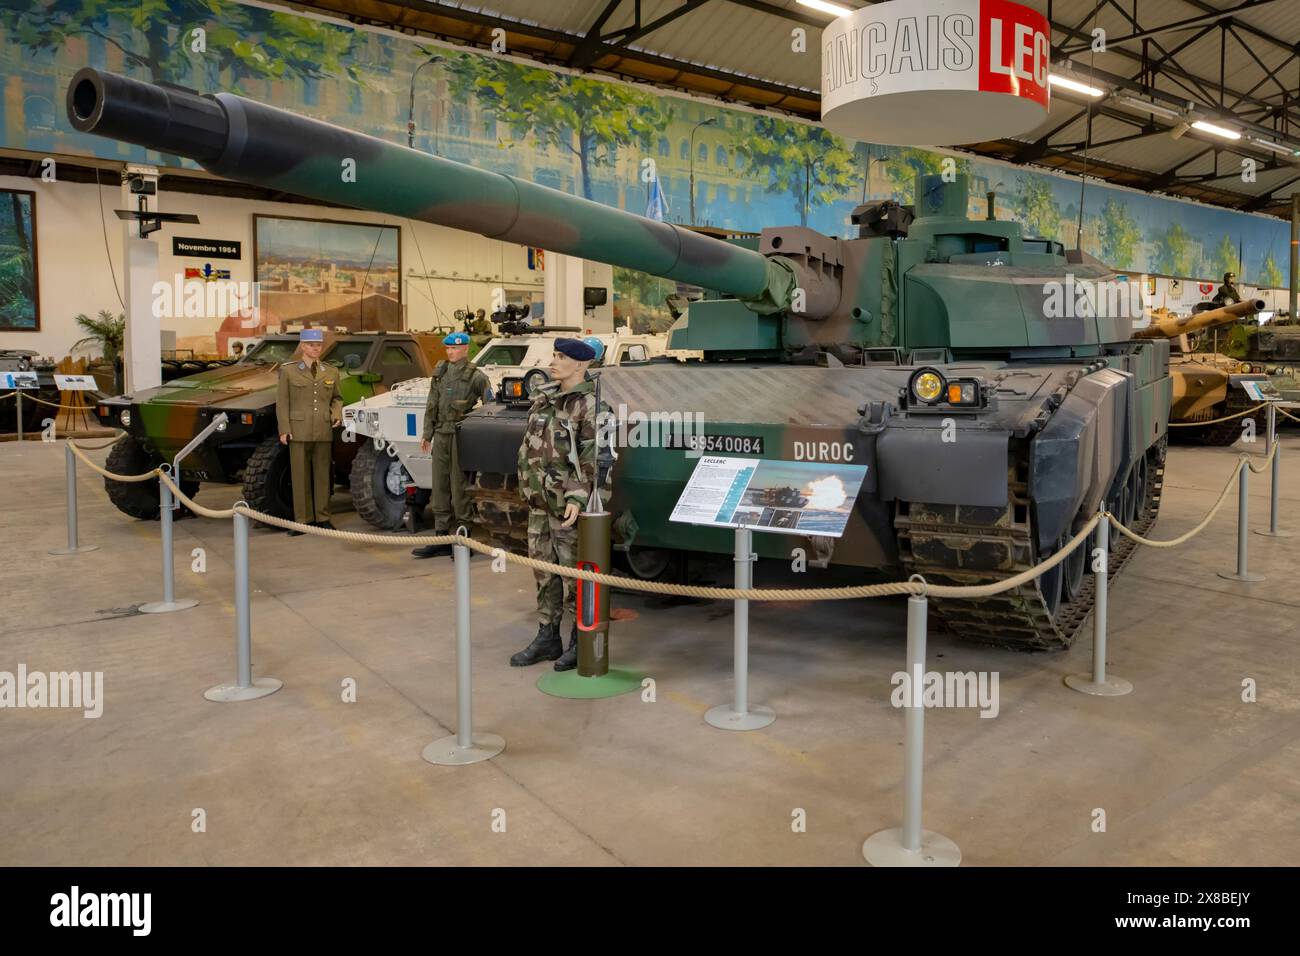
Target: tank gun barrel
1170,326
253,143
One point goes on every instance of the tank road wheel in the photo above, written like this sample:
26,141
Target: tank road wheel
267,481
378,483
1050,582
139,499
1074,568
1137,488
648,564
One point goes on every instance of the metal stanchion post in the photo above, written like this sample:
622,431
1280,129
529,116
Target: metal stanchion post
910,844
464,746
1243,519
169,602
70,472
1275,447
18,402
740,714
245,687
1098,684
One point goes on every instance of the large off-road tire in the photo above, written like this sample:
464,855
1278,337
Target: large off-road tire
139,499
267,479
378,483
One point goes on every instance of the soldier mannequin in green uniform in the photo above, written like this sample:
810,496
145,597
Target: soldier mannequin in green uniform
557,464
307,407
456,387
1227,293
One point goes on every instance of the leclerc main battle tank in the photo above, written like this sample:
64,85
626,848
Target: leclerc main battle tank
922,348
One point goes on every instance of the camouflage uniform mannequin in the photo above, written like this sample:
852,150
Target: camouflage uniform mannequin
557,464
307,407
456,387
1228,294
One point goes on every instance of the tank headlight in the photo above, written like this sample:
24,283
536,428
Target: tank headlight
125,418
927,386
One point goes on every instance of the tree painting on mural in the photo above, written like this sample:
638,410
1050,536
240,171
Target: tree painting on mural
1036,208
1173,253
591,119
18,296
1270,276
808,163
156,37
1226,257
1119,235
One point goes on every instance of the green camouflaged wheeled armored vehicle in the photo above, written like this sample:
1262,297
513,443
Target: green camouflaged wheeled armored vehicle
159,422
921,348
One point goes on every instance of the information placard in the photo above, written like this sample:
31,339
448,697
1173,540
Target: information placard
1262,391
18,380
787,497
75,383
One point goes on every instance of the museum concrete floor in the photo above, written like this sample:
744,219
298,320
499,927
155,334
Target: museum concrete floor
1185,771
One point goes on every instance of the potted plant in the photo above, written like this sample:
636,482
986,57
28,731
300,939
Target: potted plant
106,331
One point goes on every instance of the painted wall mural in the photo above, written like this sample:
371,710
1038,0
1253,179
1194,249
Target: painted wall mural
574,133
19,301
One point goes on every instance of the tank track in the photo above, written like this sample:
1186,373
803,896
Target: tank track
500,516
952,544
947,544
1223,433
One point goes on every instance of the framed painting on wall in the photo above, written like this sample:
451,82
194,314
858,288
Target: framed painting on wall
328,273
20,309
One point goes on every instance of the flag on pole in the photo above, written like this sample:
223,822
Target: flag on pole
657,206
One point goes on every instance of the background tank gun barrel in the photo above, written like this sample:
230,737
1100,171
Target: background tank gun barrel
1172,326
251,142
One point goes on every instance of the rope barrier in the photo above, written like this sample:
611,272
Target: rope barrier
1242,459
41,401
686,590
1288,414
1215,421
107,444
76,450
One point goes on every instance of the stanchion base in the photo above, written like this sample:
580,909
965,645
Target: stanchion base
1111,687
80,549
573,686
1264,531
226,693
1247,578
448,753
885,848
162,607
725,718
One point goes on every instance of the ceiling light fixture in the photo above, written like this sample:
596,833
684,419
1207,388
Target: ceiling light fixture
825,6
1074,86
1210,128
1155,109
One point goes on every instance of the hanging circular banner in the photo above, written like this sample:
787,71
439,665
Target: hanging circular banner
935,72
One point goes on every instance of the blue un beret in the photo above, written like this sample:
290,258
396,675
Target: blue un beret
575,349
456,338
311,335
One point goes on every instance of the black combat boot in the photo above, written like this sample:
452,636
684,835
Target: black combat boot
432,550
569,659
546,646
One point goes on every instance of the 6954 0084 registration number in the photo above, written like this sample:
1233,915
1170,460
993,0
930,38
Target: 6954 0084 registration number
722,444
